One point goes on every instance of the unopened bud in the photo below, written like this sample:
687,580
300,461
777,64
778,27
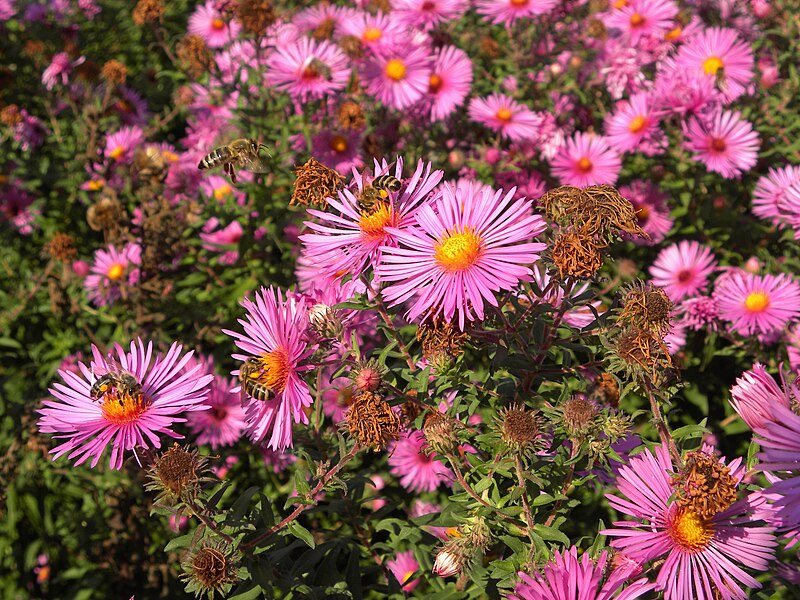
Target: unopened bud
440,433
368,376
325,321
447,563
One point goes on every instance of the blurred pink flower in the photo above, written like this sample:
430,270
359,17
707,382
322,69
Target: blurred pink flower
399,77
586,159
508,117
209,24
682,269
724,142
757,304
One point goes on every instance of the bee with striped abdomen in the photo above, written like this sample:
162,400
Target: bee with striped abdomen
249,373
117,380
377,192
242,153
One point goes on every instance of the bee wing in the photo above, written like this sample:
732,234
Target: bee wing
253,163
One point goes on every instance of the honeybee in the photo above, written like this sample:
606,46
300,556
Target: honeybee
377,192
118,379
242,153
150,163
314,68
251,386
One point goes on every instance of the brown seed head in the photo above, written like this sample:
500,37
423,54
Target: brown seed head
212,569
520,429
641,349
438,337
193,55
148,11
176,470
596,29
578,415
409,411
372,422
352,47
35,49
350,115
255,15
646,307
704,485
315,183
61,247
10,115
440,432
489,47
114,72
577,254
324,31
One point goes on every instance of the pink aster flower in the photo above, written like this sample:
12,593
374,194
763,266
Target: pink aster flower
415,464
274,335
378,32
567,578
449,83
621,68
339,150
352,240
505,12
702,554
682,269
652,211
221,240
59,69
428,13
321,20
126,416
221,189
642,18
207,22
719,54
500,113
586,159
222,424
468,243
308,70
724,142
398,77
633,126
121,145
780,442
681,91
403,566
770,193
753,395
111,271
699,313
757,304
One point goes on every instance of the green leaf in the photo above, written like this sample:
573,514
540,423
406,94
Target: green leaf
301,533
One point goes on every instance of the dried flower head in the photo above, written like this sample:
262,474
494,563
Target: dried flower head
351,46
105,214
114,72
409,411
193,55
561,203
148,11
372,422
315,183
440,432
520,430
350,115
176,474
647,307
325,29
641,353
255,15
438,337
10,115
704,485
211,569
61,247
578,416
367,375
596,29
577,254
489,46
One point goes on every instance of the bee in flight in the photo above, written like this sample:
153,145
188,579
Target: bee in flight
251,386
242,153
119,380
377,192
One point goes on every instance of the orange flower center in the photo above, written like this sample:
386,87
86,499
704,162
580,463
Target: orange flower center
504,115
170,156
690,531
637,124
96,184
115,271
459,251
218,24
637,20
756,302
395,69
338,144
584,164
117,153
222,192
519,3
620,4
718,144
121,407
372,223
434,84
712,64
642,213
275,369
371,34
674,34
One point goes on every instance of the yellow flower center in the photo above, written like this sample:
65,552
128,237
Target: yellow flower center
338,144
712,64
434,84
117,153
223,191
218,24
169,156
620,4
121,407
519,3
504,115
395,69
116,271
673,34
406,576
637,124
637,20
584,164
275,369
459,251
96,184
371,34
690,531
756,302
372,223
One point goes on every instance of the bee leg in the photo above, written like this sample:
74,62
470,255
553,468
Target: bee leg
232,173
